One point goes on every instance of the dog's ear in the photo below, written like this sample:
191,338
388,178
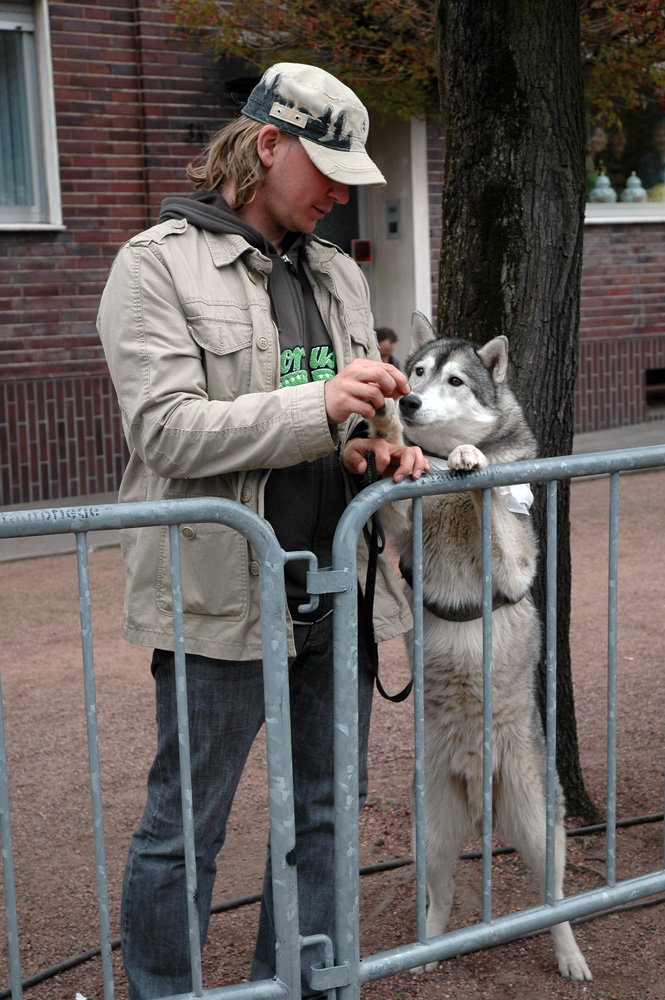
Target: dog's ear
494,355
421,331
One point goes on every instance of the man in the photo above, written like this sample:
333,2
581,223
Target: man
386,339
243,354
651,168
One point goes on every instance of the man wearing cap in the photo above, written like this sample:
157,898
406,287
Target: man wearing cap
243,354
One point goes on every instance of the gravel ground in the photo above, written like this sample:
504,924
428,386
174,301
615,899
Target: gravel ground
44,717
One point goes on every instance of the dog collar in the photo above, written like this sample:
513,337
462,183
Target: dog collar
460,612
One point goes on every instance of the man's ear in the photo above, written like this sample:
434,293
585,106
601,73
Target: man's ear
266,144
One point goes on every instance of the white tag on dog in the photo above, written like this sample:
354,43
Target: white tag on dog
517,499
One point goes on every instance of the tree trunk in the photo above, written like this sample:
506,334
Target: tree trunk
513,210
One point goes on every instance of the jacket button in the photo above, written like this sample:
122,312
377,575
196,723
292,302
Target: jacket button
254,568
263,343
187,532
245,494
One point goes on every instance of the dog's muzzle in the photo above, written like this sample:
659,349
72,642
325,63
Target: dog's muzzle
409,405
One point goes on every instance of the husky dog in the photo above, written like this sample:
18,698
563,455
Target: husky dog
461,412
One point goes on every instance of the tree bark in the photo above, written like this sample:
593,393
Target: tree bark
512,100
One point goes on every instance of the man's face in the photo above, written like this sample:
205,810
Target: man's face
295,194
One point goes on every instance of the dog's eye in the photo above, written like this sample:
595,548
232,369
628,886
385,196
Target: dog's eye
419,371
454,380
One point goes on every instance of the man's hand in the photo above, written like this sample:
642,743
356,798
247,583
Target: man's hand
363,387
396,460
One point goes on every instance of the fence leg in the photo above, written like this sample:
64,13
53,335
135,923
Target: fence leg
8,872
347,882
94,762
280,773
185,765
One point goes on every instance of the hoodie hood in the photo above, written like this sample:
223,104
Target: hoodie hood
210,211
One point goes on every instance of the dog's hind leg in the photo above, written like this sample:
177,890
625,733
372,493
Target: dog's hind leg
521,817
446,824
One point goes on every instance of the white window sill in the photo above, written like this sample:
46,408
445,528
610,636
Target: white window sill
602,213
31,226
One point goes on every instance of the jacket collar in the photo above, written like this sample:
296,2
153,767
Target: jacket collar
226,248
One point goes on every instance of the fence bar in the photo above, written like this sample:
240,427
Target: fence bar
62,520
508,928
185,765
442,482
263,989
8,871
612,618
419,721
82,519
94,762
551,633
347,881
487,703
280,772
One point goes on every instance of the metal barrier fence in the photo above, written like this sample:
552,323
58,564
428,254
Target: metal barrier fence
345,971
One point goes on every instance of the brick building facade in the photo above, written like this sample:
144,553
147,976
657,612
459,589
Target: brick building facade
132,107
622,326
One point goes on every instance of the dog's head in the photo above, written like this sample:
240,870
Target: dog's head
454,395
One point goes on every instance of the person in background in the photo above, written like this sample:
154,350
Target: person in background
651,168
387,339
243,355
595,145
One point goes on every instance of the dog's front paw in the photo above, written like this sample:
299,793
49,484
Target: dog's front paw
466,457
386,424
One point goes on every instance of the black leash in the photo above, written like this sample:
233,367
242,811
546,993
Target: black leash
376,543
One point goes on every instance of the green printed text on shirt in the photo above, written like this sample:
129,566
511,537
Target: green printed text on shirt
296,368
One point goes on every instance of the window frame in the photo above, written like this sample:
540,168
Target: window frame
47,213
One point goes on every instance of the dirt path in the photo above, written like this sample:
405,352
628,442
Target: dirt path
43,696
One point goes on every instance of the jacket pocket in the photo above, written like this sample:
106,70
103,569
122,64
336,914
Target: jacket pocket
361,345
220,329
214,567
225,337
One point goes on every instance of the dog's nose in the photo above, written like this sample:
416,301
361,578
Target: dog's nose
408,404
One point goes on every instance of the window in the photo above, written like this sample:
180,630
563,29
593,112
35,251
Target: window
655,388
29,180
625,167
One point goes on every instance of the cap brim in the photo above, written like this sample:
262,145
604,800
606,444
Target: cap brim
345,166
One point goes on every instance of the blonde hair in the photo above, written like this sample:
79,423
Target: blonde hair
231,159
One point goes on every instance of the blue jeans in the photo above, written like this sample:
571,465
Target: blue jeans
225,701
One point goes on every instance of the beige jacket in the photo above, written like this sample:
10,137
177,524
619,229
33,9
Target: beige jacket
194,355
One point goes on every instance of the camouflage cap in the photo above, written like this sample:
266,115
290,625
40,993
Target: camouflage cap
327,117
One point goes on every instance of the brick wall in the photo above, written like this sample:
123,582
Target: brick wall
66,438
133,107
622,324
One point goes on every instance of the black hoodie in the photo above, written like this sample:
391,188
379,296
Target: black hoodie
303,503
